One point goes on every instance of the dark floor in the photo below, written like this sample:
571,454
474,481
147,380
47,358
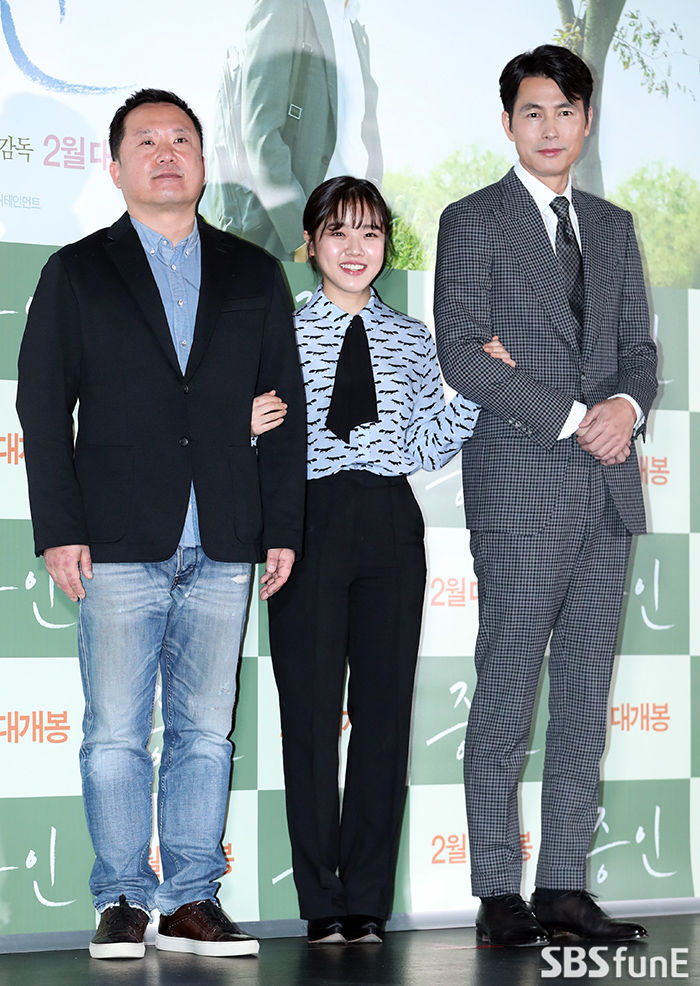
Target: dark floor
407,958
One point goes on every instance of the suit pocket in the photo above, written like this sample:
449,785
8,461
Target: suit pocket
247,504
511,485
106,477
244,304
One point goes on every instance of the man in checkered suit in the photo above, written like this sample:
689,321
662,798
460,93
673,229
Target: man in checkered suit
552,492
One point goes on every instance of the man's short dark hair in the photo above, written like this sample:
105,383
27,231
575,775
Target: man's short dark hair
570,73
116,127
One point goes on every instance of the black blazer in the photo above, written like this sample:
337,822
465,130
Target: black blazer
97,334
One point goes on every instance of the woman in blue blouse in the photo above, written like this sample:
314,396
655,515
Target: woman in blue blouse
376,413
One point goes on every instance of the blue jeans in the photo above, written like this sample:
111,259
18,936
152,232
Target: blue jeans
185,614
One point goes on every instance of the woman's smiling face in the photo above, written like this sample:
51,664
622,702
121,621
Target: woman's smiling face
349,254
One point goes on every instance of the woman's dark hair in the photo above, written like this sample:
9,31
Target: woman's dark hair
570,73
360,199
116,127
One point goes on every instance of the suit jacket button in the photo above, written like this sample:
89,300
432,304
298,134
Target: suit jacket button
184,441
186,389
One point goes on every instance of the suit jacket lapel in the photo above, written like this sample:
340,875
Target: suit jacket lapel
598,266
126,252
327,54
216,275
523,225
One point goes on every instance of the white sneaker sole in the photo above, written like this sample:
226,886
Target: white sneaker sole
118,950
221,948
366,940
334,939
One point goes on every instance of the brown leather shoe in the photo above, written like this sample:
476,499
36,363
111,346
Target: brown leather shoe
203,929
120,932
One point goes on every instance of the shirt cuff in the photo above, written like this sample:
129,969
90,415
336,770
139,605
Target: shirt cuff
576,415
637,409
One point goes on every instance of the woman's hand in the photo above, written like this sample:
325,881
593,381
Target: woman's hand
268,412
497,349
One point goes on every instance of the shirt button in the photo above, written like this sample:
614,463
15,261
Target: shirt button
184,343
184,441
180,302
173,267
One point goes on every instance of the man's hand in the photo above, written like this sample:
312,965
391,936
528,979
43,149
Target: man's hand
268,412
65,563
278,568
606,430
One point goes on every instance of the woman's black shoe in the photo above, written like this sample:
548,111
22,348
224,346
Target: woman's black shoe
363,929
326,931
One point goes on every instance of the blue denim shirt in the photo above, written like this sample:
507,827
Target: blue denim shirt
177,272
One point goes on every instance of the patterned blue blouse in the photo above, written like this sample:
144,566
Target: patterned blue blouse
415,429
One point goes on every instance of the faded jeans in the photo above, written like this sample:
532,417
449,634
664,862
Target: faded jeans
185,615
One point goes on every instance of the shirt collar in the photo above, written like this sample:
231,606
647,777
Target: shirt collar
541,193
151,240
371,309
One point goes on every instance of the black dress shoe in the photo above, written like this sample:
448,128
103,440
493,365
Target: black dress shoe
326,931
576,912
363,929
508,920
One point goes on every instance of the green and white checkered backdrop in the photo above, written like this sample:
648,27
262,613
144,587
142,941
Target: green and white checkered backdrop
650,797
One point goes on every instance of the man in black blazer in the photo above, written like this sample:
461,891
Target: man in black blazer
163,329
552,492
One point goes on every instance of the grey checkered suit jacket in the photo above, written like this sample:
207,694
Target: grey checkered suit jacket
496,273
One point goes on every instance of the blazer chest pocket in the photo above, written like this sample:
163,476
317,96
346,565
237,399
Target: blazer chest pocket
238,336
244,305
106,476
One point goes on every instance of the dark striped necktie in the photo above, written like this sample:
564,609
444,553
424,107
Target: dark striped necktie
569,258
